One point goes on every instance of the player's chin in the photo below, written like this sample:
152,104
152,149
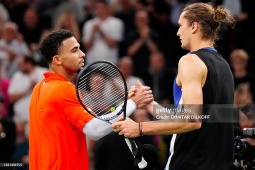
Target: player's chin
79,69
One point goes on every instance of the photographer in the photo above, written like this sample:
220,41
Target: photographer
244,129
250,141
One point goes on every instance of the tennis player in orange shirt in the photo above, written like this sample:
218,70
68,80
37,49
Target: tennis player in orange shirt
58,124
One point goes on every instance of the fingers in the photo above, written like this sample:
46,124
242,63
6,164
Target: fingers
132,91
116,126
139,84
121,119
132,88
128,128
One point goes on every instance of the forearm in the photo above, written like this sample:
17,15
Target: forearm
110,42
150,108
152,46
88,44
170,126
15,97
165,127
76,32
135,47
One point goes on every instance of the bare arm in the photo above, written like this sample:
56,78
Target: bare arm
109,41
191,75
132,49
145,38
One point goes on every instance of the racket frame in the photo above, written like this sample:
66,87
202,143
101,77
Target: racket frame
123,109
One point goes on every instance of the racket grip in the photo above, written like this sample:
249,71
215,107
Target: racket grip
141,164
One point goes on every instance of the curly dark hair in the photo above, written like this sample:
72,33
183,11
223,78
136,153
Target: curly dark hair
50,45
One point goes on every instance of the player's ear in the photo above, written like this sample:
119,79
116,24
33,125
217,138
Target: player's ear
194,26
56,60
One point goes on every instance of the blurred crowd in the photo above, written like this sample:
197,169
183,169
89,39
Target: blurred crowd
137,35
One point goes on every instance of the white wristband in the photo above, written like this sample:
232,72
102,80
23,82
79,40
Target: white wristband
130,108
96,129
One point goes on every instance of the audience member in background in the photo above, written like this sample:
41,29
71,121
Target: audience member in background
111,152
4,17
22,84
20,154
126,67
243,98
141,42
239,59
4,84
7,135
124,10
246,114
32,27
67,20
102,35
158,11
159,78
11,46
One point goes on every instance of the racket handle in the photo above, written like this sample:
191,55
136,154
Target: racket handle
141,164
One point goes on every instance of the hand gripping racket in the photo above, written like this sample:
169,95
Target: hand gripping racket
102,91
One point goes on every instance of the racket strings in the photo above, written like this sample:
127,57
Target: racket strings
102,89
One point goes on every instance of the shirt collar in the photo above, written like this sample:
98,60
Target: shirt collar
54,76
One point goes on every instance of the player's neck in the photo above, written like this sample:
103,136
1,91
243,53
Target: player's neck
202,44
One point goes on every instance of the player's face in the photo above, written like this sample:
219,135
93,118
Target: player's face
184,32
70,55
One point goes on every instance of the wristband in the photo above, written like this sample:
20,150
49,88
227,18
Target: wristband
140,129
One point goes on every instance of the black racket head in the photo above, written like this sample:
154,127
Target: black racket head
101,89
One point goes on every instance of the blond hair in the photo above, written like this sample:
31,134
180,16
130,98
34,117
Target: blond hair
239,54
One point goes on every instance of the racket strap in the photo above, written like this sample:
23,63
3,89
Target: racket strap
138,147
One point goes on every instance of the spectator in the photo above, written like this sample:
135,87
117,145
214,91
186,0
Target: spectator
4,17
21,86
239,59
67,20
7,135
11,46
159,78
243,98
102,35
20,154
141,42
111,152
4,84
32,27
124,10
126,67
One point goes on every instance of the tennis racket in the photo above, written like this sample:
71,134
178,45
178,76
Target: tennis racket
102,91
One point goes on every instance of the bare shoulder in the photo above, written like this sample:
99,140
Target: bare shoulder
191,66
193,62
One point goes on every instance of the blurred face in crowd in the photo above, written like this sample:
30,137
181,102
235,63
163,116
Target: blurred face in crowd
243,94
126,67
23,66
157,62
69,18
141,19
31,18
101,9
238,64
9,34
